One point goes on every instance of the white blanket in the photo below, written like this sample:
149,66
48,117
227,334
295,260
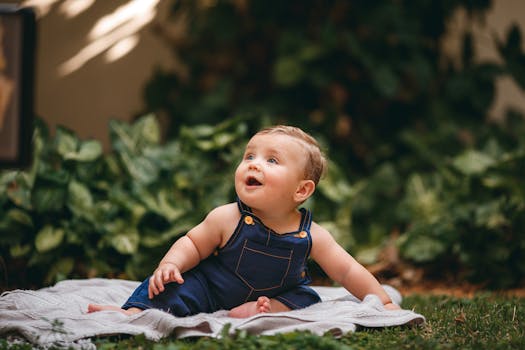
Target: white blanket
56,316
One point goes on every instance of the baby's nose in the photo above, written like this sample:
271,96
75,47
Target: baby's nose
253,166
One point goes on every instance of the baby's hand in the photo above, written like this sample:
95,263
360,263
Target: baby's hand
165,273
392,306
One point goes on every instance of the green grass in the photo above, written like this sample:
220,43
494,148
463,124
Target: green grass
486,321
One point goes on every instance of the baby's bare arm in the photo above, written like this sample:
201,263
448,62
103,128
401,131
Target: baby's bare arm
343,268
189,250
182,256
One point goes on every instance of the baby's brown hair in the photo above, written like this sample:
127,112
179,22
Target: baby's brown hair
316,164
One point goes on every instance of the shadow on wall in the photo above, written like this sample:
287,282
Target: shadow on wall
500,18
93,58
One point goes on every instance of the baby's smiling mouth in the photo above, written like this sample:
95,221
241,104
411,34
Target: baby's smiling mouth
252,181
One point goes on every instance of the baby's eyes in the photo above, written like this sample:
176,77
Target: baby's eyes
269,160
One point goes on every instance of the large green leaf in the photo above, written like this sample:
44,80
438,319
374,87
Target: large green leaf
20,216
472,162
490,215
166,237
48,238
423,249
66,142
146,130
48,199
141,169
335,186
53,174
423,197
166,208
19,250
80,200
121,137
126,242
89,151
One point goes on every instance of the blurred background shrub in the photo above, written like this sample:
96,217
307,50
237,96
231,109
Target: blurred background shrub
415,160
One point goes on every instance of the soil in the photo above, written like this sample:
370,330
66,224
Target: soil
409,279
463,290
433,287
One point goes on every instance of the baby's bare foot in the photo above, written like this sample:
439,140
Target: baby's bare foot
98,307
262,305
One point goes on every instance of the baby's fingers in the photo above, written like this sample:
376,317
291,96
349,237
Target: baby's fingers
156,285
177,277
152,289
166,276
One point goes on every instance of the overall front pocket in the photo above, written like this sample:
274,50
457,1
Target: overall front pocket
262,267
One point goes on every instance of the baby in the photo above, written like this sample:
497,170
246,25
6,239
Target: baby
250,257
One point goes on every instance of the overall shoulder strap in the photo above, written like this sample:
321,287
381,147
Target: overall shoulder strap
243,208
306,220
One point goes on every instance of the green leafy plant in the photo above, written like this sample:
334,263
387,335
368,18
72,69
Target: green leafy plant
401,120
81,213
361,74
470,213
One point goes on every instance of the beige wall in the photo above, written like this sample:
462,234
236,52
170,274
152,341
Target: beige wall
86,98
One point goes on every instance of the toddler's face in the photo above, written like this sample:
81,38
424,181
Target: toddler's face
270,171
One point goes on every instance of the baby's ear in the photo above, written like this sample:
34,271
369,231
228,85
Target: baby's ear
305,189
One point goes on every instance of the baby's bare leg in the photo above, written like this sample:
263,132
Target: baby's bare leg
262,305
98,307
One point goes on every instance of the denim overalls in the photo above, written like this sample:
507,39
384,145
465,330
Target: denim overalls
255,262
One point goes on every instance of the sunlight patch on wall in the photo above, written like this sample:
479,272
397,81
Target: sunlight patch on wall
73,8
122,48
116,33
42,7
117,30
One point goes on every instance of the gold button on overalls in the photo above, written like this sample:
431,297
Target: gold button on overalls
248,220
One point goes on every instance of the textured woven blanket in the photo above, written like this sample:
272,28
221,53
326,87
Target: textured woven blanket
56,316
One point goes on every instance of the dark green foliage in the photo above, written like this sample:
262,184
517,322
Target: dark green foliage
78,212
470,211
407,125
360,72
81,213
